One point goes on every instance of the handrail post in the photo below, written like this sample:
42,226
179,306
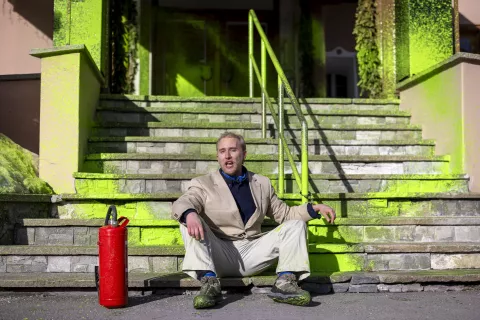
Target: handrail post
281,166
250,54
304,159
302,179
264,85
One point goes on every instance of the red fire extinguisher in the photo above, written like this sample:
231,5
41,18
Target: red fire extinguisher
112,271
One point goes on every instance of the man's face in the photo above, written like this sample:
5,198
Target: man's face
230,156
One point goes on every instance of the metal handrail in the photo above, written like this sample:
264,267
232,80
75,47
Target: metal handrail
283,85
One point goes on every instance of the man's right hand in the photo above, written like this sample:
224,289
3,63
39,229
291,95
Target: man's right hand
194,226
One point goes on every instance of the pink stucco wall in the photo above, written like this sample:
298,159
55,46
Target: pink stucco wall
446,105
24,24
471,109
20,112
469,11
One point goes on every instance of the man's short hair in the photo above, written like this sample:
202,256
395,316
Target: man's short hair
235,136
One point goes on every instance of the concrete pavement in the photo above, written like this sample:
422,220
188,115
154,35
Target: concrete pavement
386,306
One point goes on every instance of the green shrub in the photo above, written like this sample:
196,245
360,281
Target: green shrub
365,32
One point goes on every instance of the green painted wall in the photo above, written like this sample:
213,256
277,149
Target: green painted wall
83,22
88,100
144,45
424,35
319,55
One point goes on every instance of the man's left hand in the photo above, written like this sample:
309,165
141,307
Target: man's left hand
327,212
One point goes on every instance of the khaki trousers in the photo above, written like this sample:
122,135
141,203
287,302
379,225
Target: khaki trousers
287,243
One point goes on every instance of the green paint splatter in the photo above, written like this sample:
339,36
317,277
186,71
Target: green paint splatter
82,22
424,35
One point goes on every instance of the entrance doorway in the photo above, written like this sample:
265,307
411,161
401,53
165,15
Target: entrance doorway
204,52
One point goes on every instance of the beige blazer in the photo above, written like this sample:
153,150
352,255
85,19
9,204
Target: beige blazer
210,196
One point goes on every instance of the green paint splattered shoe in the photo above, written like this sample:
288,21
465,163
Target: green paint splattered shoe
286,290
209,294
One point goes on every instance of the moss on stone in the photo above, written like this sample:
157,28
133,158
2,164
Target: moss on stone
334,233
261,157
18,173
266,141
330,262
335,248
423,36
177,125
104,186
163,236
344,110
25,198
178,98
122,196
221,99
180,109
437,68
110,176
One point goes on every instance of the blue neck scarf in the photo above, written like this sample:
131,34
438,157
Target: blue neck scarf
237,179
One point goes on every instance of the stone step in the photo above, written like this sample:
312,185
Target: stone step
338,282
247,115
178,145
323,257
83,232
15,208
252,130
138,163
158,206
88,183
241,102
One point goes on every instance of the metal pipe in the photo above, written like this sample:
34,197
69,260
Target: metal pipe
295,173
264,85
302,181
304,158
250,54
281,124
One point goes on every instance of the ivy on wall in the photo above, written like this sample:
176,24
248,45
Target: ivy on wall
124,38
369,63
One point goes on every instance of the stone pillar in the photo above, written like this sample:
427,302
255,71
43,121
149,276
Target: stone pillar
424,35
386,45
83,22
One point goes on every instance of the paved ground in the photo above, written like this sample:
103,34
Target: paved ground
389,306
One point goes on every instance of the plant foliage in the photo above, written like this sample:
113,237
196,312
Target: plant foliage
369,64
124,36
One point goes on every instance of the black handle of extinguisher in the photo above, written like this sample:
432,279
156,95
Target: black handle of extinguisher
97,280
111,209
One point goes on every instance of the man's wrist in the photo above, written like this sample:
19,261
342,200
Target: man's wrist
312,211
183,218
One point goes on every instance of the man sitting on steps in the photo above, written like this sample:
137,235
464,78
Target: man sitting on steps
221,215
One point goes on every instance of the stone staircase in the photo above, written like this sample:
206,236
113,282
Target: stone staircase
406,223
